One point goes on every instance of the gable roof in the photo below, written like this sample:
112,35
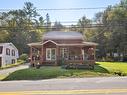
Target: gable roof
10,44
49,41
62,35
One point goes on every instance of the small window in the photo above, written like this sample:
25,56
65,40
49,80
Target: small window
13,52
1,49
7,51
13,61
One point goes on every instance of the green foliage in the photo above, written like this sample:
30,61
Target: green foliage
57,26
23,57
112,38
22,27
4,35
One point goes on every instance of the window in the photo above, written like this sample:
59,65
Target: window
1,49
13,52
7,51
64,53
12,61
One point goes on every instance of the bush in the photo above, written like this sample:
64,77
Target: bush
24,57
125,58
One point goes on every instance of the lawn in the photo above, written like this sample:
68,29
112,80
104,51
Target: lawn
101,69
114,66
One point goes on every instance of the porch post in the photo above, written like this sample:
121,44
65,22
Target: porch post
57,55
83,53
42,55
31,54
94,52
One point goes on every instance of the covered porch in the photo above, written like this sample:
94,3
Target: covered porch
52,53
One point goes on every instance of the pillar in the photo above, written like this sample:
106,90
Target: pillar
57,55
30,54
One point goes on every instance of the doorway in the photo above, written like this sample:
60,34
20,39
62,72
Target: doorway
50,54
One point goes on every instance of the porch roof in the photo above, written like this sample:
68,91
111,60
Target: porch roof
90,43
61,35
35,44
79,44
38,44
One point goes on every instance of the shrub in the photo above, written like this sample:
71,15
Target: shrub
24,57
125,58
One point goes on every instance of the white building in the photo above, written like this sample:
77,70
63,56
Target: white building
8,54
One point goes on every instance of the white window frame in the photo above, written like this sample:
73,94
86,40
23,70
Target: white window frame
63,51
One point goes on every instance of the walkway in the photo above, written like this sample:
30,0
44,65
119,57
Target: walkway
10,70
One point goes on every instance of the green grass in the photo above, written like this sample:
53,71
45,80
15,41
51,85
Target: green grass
3,77
54,72
101,69
114,66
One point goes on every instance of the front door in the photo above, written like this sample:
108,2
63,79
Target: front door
0,61
50,53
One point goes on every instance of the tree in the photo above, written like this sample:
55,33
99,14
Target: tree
57,26
112,39
82,23
48,23
30,10
22,27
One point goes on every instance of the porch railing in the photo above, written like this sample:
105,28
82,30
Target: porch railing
74,57
78,57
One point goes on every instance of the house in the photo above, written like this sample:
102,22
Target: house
8,54
59,47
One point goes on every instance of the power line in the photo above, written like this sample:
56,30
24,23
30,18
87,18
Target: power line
97,35
64,26
63,9
60,9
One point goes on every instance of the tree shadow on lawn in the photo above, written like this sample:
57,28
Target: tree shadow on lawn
100,69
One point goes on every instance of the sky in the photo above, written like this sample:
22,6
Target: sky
64,15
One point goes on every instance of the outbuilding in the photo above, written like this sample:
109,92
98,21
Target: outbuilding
8,54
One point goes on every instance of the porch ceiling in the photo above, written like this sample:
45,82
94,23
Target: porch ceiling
38,44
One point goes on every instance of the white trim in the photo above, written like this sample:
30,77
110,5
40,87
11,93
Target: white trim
48,49
63,52
49,41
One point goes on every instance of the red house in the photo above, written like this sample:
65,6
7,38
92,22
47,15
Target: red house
59,47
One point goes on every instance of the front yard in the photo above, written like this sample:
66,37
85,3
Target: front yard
101,69
114,67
